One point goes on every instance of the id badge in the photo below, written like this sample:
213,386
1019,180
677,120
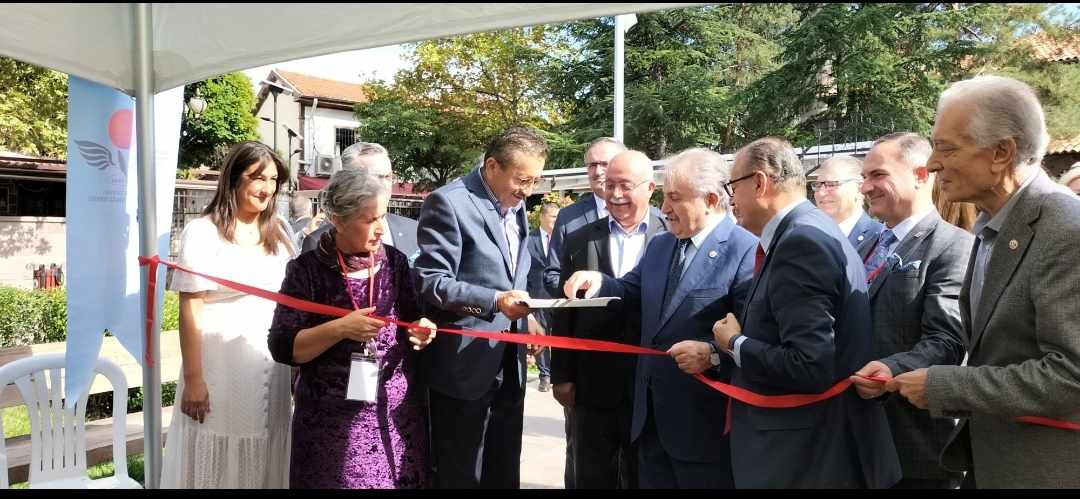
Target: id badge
363,378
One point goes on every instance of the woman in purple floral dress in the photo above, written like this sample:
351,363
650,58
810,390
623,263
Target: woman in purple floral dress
338,442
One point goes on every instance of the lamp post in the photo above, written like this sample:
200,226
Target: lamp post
275,89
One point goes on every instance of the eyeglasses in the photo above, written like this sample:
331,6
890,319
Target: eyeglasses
529,182
727,185
596,164
828,185
624,186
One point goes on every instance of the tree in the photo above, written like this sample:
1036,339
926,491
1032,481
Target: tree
682,69
228,119
437,117
855,71
33,109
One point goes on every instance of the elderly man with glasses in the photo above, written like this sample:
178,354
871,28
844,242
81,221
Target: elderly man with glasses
836,192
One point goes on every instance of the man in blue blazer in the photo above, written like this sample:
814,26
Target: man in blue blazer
539,240
472,273
806,327
700,270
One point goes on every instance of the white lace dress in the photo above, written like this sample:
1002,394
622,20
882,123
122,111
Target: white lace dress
244,439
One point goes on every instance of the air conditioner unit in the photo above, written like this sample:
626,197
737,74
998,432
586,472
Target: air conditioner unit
325,165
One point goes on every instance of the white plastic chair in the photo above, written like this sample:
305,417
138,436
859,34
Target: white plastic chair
58,431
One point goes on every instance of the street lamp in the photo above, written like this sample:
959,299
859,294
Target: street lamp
275,89
196,105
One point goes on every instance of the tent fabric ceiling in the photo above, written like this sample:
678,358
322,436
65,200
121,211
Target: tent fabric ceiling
196,41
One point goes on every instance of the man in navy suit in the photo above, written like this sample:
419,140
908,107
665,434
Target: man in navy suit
399,231
837,193
806,327
539,321
700,270
586,209
472,273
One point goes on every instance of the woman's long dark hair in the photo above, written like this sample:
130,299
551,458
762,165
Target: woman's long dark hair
222,209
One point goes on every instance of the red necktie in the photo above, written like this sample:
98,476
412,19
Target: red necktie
759,260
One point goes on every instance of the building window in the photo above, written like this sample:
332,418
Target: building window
343,137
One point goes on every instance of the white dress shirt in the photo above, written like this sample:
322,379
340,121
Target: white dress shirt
626,247
848,224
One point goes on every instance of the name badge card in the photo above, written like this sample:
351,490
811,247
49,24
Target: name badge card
363,378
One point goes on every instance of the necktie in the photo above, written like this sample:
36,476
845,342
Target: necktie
675,272
759,260
880,255
547,243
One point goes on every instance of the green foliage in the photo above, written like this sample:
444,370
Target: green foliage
33,109
40,316
855,71
438,116
558,197
227,120
16,421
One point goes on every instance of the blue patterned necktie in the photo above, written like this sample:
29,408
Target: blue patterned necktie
880,256
675,272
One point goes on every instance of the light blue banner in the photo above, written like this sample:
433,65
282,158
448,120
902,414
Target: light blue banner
104,288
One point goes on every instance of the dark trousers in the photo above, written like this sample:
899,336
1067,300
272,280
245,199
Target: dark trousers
658,470
543,363
927,483
604,457
477,443
568,471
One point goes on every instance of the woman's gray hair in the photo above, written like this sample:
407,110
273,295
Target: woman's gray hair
706,171
349,190
1003,108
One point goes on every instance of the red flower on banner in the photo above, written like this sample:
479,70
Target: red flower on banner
99,155
120,128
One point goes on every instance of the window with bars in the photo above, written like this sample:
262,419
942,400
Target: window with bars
343,137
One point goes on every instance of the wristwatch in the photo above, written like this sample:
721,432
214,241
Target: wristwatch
714,357
731,343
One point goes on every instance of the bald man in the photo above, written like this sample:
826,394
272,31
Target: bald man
599,386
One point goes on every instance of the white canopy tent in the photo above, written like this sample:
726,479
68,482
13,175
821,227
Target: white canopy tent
143,49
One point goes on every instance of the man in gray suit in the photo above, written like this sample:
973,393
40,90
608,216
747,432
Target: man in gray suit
472,273
914,275
1019,298
398,231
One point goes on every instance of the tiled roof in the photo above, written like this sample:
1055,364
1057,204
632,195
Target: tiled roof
1047,49
1064,146
311,86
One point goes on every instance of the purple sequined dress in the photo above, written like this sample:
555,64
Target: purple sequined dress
340,443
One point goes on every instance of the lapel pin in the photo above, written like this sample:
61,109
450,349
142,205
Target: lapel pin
1013,244
860,238
920,234
712,254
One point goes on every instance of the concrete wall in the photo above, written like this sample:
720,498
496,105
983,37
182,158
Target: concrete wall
320,129
29,240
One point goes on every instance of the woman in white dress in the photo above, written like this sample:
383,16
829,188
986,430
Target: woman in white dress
232,426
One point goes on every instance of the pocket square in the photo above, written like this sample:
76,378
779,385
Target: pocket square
912,265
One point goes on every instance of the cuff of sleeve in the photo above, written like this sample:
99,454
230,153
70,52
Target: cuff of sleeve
736,353
941,391
894,368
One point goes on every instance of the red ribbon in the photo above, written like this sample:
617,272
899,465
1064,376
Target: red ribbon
733,392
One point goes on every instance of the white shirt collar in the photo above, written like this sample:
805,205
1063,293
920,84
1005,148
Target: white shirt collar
848,224
710,225
770,228
903,228
641,228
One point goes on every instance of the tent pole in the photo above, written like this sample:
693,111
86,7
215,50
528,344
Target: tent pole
620,30
148,245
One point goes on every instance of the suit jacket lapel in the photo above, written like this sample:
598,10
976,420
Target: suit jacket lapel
918,235
712,250
1005,258
780,229
487,210
600,240
590,213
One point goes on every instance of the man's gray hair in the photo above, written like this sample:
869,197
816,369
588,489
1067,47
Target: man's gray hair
847,166
619,146
705,171
351,154
301,207
349,190
1003,108
777,159
914,149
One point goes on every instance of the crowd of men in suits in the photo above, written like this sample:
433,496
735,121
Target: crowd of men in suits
740,278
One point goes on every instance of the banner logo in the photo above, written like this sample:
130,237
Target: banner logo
100,156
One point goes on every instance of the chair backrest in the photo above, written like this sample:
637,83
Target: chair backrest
58,427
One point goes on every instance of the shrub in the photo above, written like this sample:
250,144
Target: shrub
40,316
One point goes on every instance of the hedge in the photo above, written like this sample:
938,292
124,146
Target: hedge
35,316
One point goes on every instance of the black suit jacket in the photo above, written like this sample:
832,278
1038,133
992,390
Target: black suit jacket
916,310
807,326
402,231
536,287
601,380
571,218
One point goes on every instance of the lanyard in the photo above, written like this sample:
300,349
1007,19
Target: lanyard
369,346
